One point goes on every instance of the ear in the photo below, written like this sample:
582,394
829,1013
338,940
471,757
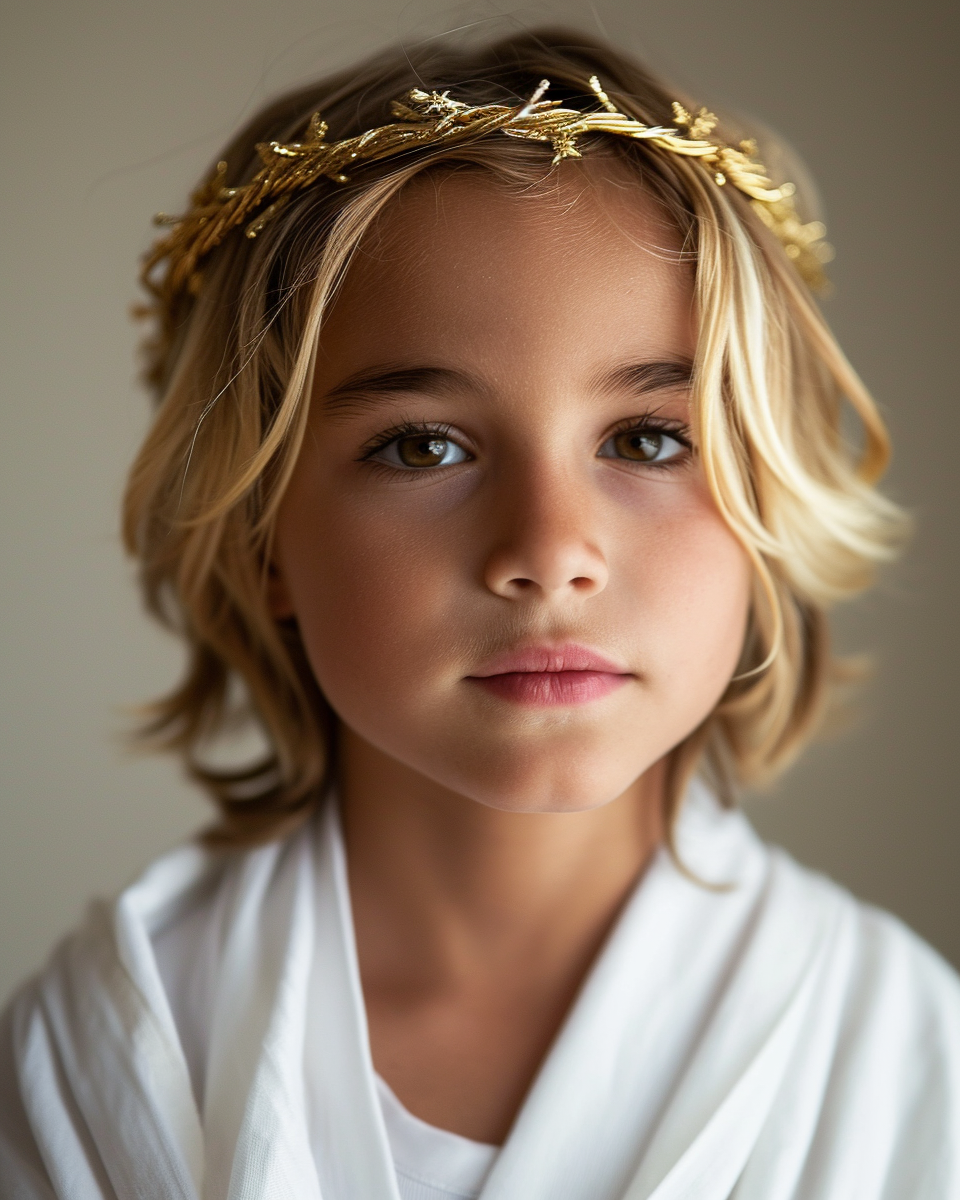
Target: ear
279,600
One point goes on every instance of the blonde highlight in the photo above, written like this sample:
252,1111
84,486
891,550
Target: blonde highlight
234,377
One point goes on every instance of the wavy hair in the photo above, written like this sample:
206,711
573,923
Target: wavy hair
232,372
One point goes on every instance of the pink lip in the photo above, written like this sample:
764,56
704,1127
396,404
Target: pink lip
549,676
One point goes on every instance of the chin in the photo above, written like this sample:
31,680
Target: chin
551,783
550,803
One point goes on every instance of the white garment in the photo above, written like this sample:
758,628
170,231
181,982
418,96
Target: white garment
431,1163
774,1040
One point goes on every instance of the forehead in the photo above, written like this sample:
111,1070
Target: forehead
583,269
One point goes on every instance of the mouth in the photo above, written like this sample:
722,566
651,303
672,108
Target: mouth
551,676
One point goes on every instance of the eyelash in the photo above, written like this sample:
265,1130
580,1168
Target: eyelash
675,429
404,429
679,431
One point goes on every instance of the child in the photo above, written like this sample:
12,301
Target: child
499,480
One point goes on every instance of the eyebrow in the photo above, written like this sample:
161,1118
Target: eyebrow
363,390
651,376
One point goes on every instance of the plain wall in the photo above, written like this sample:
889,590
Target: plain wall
111,110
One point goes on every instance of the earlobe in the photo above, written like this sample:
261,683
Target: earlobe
279,601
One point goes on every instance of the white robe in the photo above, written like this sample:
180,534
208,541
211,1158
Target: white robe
774,1040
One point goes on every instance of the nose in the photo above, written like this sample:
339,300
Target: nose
545,547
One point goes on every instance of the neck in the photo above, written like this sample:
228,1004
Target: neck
446,888
475,928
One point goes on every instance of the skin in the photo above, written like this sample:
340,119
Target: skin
491,844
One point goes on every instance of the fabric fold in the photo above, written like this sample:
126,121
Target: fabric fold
756,1035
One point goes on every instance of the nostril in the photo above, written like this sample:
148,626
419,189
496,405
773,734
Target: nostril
581,583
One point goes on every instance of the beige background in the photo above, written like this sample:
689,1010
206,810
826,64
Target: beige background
111,108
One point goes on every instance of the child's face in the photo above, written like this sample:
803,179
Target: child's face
498,471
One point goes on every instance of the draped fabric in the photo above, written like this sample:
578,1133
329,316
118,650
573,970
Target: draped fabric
749,1031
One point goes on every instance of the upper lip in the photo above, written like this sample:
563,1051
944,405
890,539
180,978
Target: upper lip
544,658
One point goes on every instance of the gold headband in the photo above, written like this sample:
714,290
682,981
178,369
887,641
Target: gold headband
433,119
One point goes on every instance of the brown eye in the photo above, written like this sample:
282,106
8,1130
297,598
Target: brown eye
642,445
418,451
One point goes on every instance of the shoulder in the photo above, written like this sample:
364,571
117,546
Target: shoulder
131,957
870,977
864,1099
95,1014
888,972
870,958
876,1076
23,1174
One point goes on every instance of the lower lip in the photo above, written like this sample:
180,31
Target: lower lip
551,689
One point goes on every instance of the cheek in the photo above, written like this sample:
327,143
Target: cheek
374,591
691,581
390,600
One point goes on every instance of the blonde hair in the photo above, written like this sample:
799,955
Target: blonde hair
232,371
